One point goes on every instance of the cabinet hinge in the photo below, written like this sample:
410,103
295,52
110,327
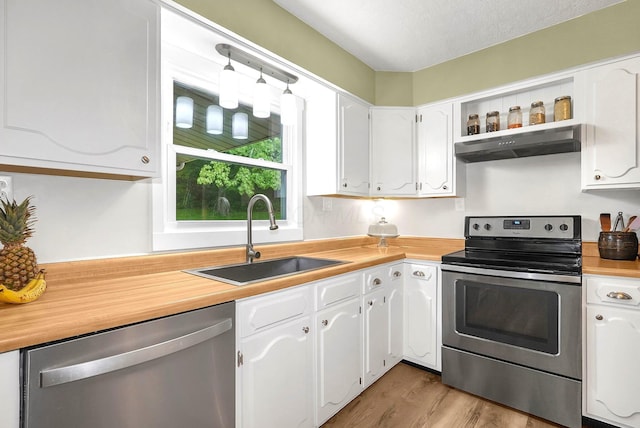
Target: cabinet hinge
360,381
384,299
240,359
360,310
384,363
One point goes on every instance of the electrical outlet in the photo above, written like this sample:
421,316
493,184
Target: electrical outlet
6,187
327,204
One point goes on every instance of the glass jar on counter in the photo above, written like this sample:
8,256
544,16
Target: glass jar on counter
514,118
537,113
562,108
473,125
493,121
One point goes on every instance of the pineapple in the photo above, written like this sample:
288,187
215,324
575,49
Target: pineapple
18,263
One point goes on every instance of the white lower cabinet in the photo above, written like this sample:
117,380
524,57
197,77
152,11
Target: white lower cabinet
275,360
422,326
612,328
10,389
339,357
382,321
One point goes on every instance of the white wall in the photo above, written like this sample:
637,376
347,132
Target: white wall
82,218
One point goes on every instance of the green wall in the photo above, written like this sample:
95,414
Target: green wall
603,34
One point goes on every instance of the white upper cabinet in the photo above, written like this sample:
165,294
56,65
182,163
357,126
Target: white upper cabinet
80,93
436,162
353,141
393,151
611,144
337,145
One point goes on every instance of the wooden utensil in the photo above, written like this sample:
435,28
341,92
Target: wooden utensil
605,222
634,224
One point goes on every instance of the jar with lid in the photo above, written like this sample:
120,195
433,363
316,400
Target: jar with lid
562,108
473,125
514,118
493,121
537,113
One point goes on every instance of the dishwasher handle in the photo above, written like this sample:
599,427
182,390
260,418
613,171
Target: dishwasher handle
61,375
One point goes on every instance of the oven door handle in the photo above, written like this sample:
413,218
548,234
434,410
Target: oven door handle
577,279
60,375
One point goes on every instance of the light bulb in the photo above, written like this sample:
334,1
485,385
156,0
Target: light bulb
184,112
240,126
261,99
229,86
288,109
214,119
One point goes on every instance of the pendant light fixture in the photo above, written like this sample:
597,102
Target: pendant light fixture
229,86
240,126
184,112
261,98
288,110
214,120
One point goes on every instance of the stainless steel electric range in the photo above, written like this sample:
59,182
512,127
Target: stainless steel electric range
511,314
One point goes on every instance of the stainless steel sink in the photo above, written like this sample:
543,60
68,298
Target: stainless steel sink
247,273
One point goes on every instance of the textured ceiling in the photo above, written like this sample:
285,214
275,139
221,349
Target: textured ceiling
409,35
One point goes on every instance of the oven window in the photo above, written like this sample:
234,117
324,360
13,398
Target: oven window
517,316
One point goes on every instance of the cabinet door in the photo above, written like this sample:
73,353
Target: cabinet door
354,146
339,336
613,378
420,315
10,389
395,325
435,146
80,92
393,166
611,146
277,377
376,334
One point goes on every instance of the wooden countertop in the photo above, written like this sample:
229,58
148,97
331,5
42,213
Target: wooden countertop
87,296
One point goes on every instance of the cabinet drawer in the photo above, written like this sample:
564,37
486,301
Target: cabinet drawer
375,279
336,290
612,290
259,313
395,272
422,272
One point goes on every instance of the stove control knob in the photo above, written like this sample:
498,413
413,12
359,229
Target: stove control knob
487,226
476,226
564,227
548,227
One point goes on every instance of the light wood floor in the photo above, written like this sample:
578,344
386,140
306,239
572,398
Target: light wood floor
410,397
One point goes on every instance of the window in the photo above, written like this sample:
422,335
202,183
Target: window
210,175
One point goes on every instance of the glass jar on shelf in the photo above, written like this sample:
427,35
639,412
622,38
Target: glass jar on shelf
473,125
537,113
562,108
514,118
493,121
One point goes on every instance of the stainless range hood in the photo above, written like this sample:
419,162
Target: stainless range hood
534,143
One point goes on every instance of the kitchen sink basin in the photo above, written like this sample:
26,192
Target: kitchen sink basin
247,273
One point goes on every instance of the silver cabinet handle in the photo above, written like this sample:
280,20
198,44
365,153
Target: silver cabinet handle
620,295
397,274
597,177
325,322
418,273
305,330
377,281
58,376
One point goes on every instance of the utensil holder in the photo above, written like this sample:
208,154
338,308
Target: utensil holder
618,245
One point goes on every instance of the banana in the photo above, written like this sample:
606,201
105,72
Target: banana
29,292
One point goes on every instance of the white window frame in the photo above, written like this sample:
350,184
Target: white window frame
169,234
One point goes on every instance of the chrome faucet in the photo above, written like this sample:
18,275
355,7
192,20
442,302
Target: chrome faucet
251,253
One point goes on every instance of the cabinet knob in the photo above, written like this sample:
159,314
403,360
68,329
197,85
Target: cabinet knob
597,177
444,187
397,274
145,159
378,188
305,329
599,317
377,281
325,322
619,295
370,302
344,185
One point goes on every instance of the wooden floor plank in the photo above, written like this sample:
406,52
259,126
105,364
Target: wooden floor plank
414,398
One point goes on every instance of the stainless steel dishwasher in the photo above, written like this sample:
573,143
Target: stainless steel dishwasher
170,372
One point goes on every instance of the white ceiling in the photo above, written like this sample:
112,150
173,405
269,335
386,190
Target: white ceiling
409,35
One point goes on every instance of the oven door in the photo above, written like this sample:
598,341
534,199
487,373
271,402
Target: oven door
531,322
